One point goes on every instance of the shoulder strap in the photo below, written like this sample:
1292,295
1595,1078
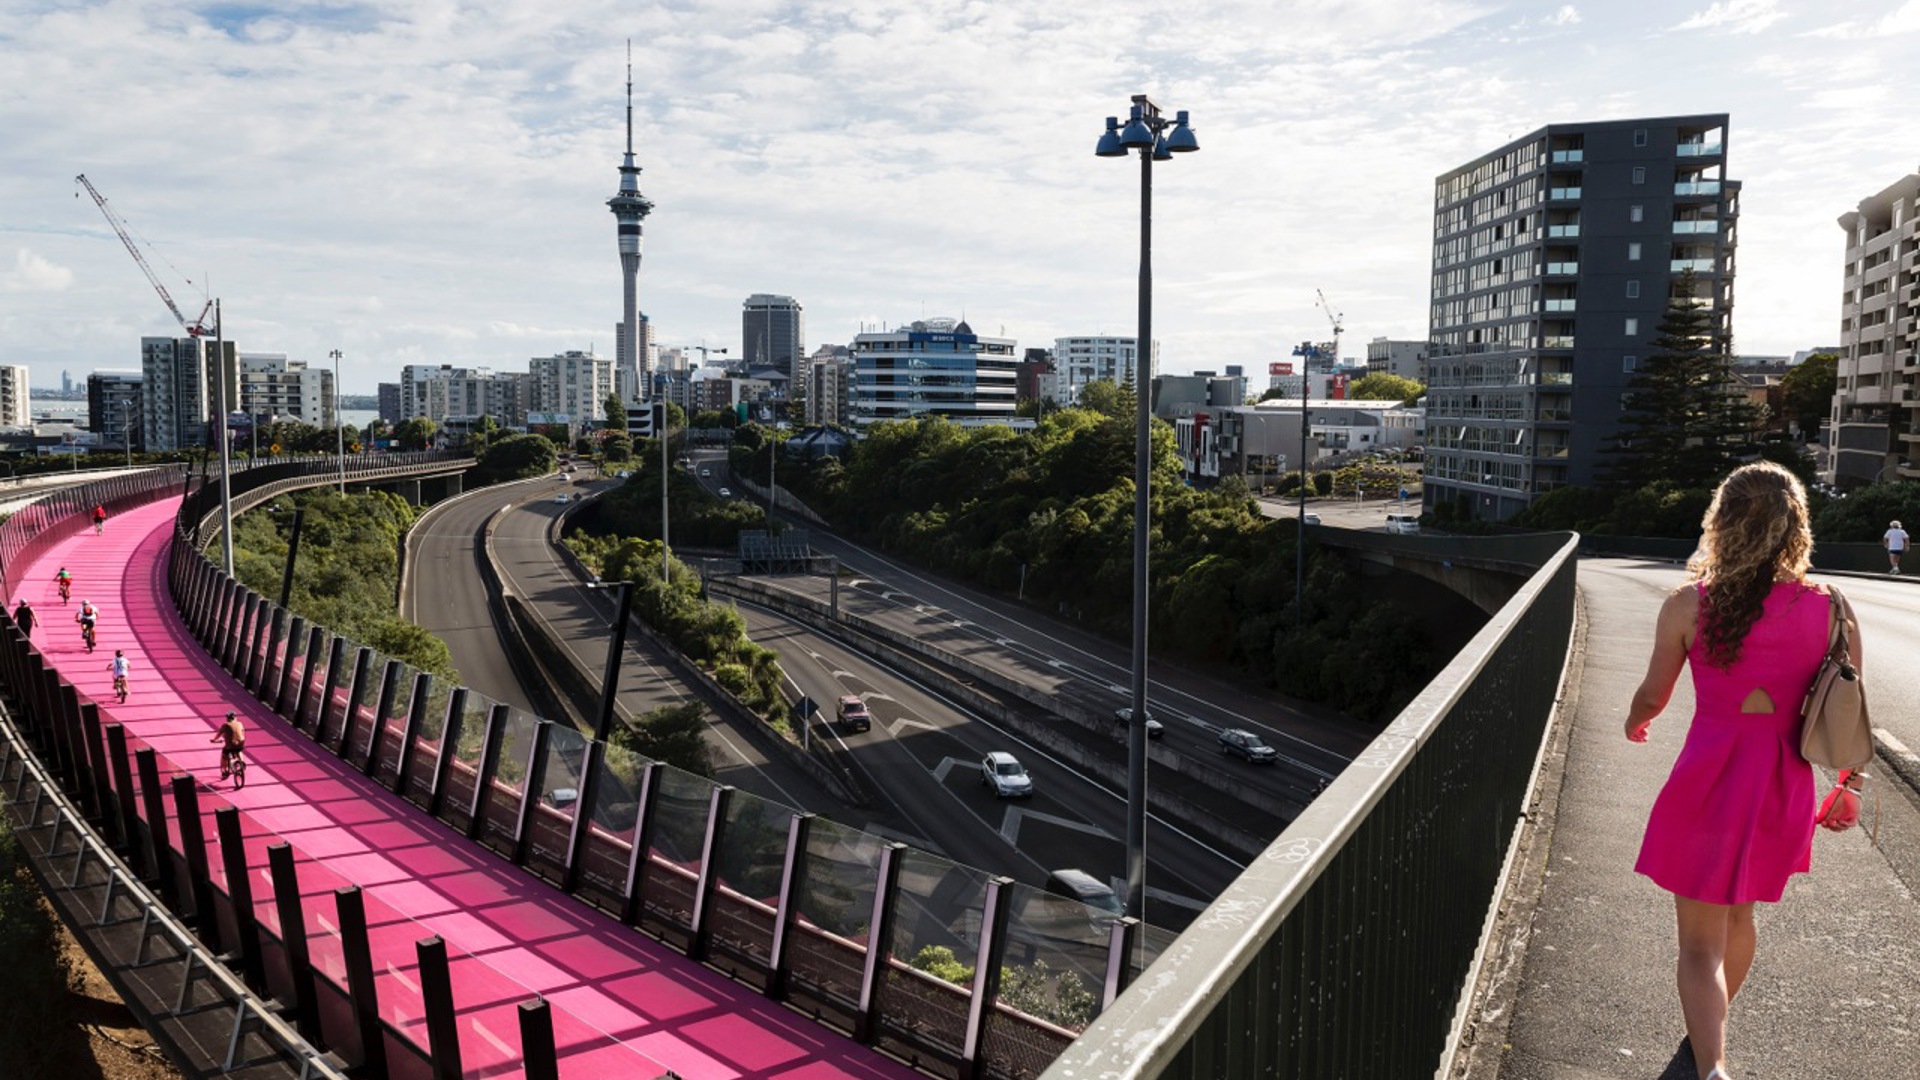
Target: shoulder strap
1837,632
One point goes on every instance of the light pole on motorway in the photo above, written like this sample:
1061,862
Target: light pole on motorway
1157,139
615,650
339,430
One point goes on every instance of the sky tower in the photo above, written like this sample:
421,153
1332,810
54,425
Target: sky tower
628,207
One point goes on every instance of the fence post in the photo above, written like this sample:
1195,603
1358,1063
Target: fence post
792,873
356,952
330,706
487,766
389,686
233,857
279,683
122,770
717,803
866,1019
1121,943
535,778
266,630
642,841
293,937
436,996
147,764
582,814
416,714
362,669
536,1041
986,975
193,844
304,692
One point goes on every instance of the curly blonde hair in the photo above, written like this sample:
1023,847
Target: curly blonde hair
1755,532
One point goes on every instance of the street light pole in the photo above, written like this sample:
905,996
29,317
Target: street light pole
1148,132
666,474
339,431
615,650
226,450
1300,523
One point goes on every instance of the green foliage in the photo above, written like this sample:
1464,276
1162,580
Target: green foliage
1686,413
1378,478
1384,386
37,1033
1807,390
346,572
515,457
709,419
1109,398
699,519
614,408
674,734
1323,483
415,434
939,962
1863,515
1060,998
617,448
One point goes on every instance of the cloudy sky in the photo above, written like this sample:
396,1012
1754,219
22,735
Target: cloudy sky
424,181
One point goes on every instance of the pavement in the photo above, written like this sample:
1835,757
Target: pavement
1579,978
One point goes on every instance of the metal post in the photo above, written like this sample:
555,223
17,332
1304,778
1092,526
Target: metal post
589,788
122,769
339,430
615,651
233,857
226,451
389,686
717,803
642,842
193,844
1300,522
356,953
100,785
1142,507
293,937
666,474
986,975
534,778
537,1052
436,997
293,551
1120,946
449,748
416,715
146,763
484,770
787,910
866,1018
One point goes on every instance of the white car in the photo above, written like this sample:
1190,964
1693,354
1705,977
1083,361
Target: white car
1006,776
725,493
561,498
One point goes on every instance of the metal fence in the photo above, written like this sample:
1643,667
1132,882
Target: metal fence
821,916
1343,950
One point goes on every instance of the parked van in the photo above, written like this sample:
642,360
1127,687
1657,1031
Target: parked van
1083,887
1403,523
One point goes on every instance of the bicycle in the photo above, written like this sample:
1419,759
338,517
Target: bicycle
120,687
66,589
233,766
87,633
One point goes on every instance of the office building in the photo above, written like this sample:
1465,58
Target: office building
388,394
273,387
572,383
113,408
1555,257
1407,359
829,394
1078,361
935,367
772,333
1874,411
181,389
16,398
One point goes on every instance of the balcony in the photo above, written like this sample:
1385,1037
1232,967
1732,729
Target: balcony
1556,378
1563,232
1698,225
1557,305
1563,268
1567,157
1563,193
1698,266
1697,187
1699,149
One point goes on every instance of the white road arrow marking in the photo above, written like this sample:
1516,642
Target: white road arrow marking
1010,824
946,765
904,722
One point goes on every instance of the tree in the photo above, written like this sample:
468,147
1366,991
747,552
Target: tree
672,734
1384,386
516,456
416,433
615,408
617,448
1685,414
1108,398
485,430
1808,391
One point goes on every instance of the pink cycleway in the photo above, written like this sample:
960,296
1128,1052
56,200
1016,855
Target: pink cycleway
623,1004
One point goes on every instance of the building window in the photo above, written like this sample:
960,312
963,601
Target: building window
1640,136
1633,327
1633,290
1636,213
1639,174
1629,364
1633,252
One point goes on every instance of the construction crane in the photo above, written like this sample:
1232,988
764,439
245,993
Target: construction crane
198,327
1335,318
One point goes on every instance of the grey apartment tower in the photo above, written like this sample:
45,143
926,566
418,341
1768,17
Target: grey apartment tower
772,333
1554,259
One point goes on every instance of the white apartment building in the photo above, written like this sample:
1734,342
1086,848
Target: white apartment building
573,383
16,406
1078,361
442,392
1875,419
1407,359
829,394
179,390
934,367
273,386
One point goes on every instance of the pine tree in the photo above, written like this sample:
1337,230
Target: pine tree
1685,415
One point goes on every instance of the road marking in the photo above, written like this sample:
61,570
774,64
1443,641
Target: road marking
946,765
1015,816
894,729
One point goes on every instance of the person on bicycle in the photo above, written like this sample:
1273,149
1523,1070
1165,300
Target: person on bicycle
120,667
65,581
87,616
99,519
234,736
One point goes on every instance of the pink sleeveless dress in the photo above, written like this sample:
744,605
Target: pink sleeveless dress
1735,818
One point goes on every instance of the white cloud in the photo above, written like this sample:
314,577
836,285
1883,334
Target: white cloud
1735,17
33,273
1566,16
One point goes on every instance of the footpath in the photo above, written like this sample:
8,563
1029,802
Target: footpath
1579,982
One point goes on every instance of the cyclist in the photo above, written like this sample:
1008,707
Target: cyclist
120,667
24,618
234,736
87,616
99,520
66,583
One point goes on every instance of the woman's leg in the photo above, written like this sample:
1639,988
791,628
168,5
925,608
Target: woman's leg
1741,939
1702,977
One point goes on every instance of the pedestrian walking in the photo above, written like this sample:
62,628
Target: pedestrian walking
1736,817
23,617
1895,541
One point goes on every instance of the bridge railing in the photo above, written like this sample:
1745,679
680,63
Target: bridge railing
1344,949
846,926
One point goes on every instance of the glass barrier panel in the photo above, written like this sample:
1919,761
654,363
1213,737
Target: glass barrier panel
360,709
1052,970
272,620
333,712
425,751
313,683
509,780
294,669
835,910
463,773
752,855
936,932
556,802
679,829
390,734
609,833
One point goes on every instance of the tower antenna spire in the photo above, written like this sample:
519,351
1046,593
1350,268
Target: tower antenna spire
629,100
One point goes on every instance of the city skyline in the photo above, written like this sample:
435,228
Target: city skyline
875,163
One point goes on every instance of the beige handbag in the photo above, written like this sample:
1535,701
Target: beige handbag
1834,729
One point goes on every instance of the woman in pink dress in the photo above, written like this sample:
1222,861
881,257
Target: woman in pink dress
1736,817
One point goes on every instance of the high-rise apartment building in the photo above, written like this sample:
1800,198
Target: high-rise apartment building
442,392
829,392
573,383
1874,408
1407,359
1078,361
389,402
273,386
772,333
113,408
16,398
934,367
1555,258
181,389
